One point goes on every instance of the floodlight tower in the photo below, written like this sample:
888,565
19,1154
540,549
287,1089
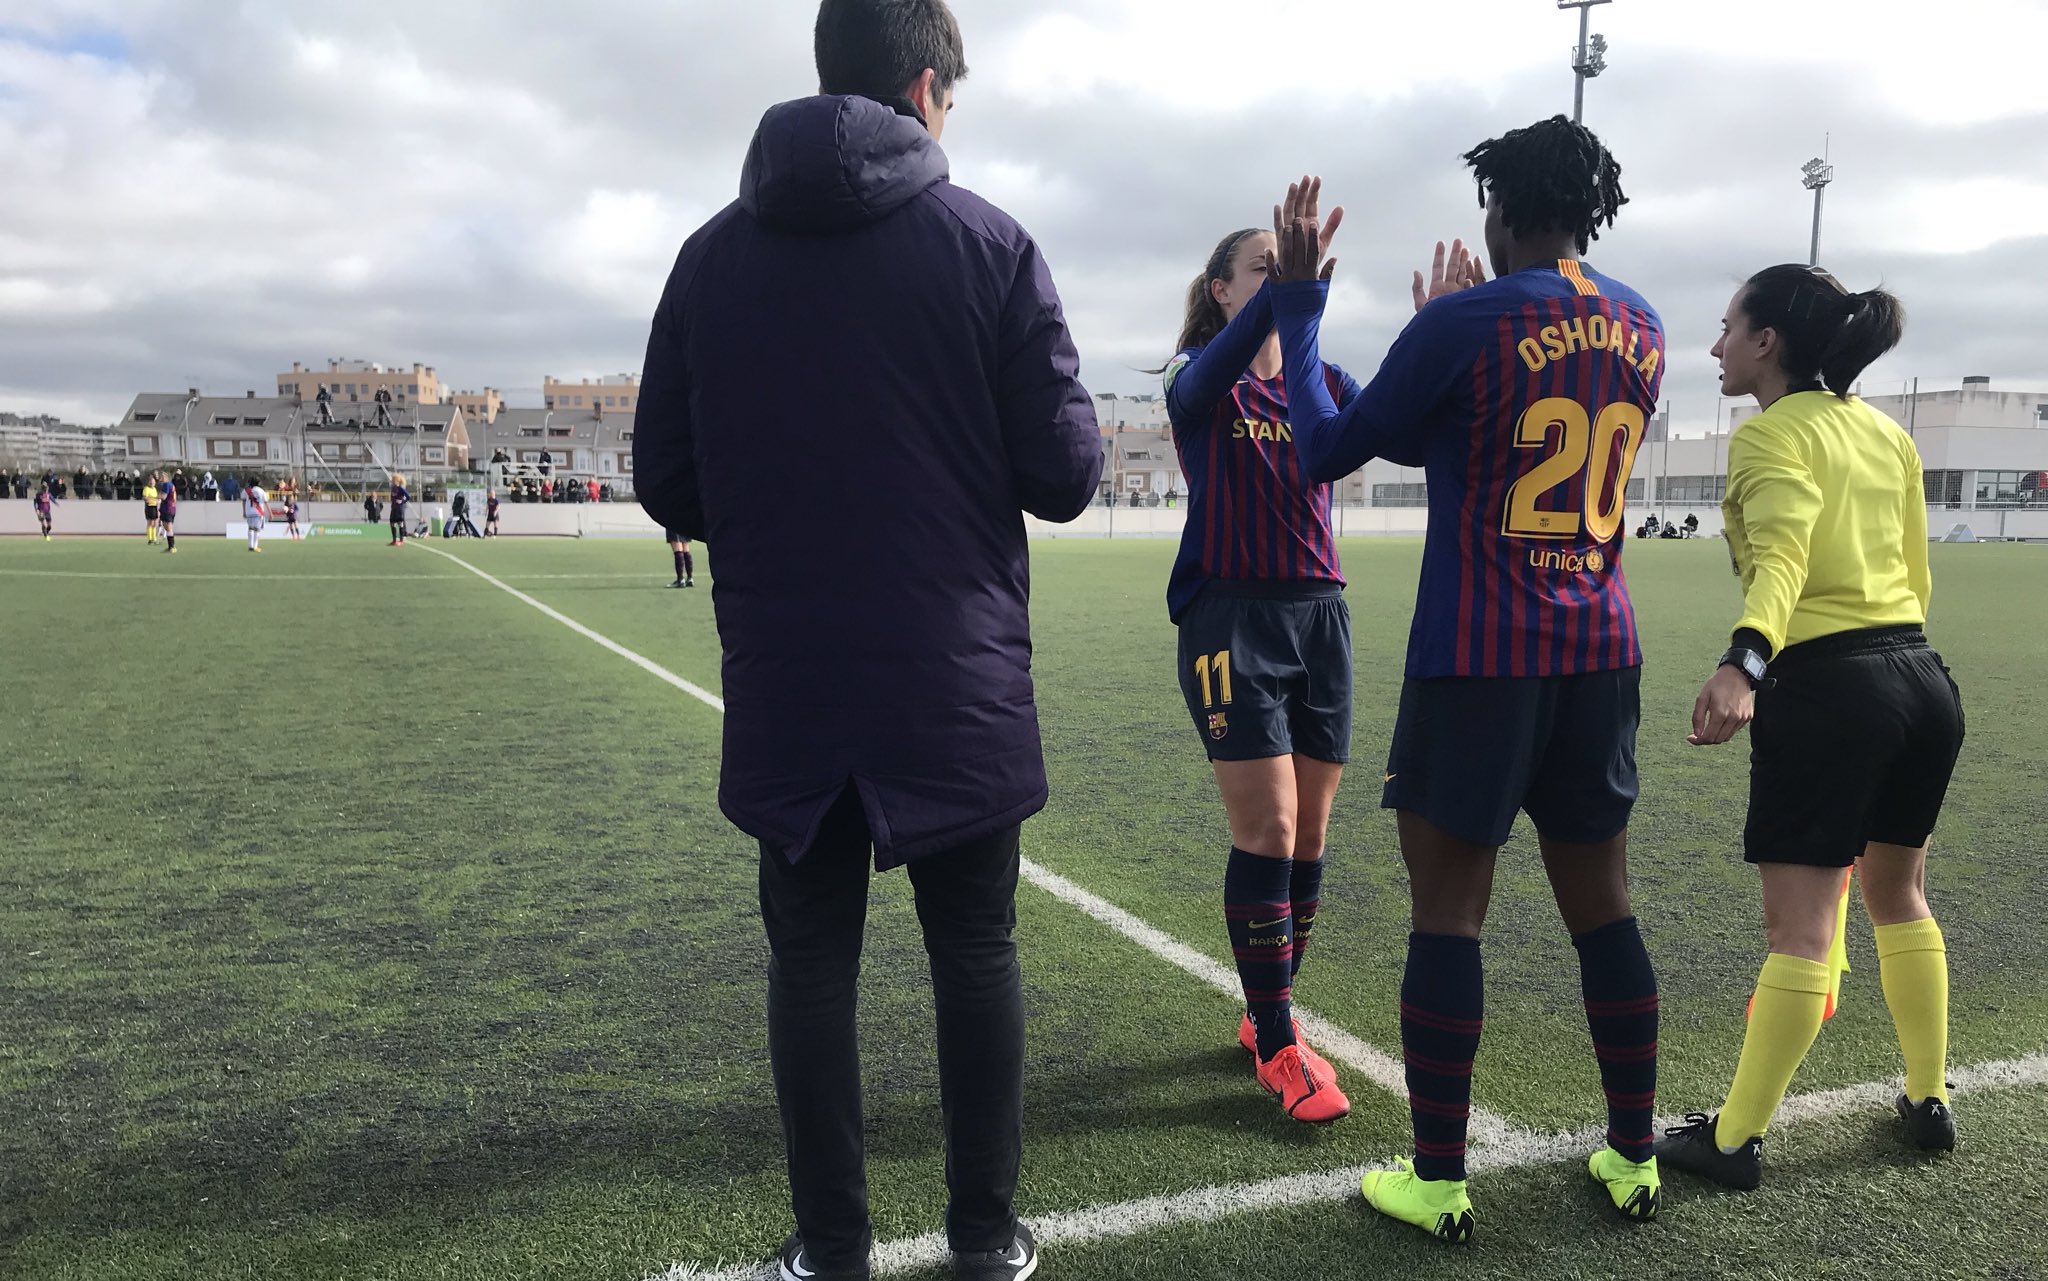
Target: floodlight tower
1590,58
1818,174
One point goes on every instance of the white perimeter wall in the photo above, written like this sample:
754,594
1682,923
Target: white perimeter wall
627,520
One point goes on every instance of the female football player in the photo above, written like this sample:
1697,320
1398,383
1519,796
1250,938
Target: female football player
1265,642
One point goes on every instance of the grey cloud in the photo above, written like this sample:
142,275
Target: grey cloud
456,189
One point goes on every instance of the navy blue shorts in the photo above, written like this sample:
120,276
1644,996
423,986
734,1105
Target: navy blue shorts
1471,751
1266,670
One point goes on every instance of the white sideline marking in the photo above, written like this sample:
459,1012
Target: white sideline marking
1374,1064
647,665
173,576
1503,1146
1207,1205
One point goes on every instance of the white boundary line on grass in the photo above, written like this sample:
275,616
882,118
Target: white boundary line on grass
1498,1145
1377,1066
1373,1064
647,665
172,576
1207,1205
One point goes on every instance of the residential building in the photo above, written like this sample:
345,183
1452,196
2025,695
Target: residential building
478,406
614,392
42,440
361,380
588,444
279,434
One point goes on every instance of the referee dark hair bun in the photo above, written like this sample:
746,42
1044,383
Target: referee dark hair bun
1825,333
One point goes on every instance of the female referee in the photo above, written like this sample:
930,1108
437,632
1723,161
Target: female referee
1857,724
1265,642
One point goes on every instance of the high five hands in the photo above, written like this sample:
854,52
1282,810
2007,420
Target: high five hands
1300,235
1463,270
1301,239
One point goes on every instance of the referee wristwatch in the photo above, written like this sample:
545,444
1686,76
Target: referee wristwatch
1751,663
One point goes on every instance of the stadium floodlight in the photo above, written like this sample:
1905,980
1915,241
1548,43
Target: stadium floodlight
1589,59
1816,174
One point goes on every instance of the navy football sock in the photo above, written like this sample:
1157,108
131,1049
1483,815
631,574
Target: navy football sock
689,566
1261,922
1443,998
1305,893
1621,1010
679,566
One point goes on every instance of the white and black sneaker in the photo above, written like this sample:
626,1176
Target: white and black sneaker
1692,1147
1929,1122
1013,1263
794,1266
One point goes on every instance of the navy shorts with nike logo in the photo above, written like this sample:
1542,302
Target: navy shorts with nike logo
1471,751
1266,670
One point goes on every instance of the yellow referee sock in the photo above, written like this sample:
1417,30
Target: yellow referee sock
1913,962
1791,995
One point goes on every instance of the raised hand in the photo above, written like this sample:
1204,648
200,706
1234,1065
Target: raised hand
1300,235
1462,269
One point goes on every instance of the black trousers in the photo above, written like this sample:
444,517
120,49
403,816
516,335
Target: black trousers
815,912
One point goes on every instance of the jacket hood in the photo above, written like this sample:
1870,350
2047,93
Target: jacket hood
830,163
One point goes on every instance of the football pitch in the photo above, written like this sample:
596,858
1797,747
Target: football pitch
360,917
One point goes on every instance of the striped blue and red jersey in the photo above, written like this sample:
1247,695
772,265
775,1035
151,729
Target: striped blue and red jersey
167,505
1254,513
43,501
1524,400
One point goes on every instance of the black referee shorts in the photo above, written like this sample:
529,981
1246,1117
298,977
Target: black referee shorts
1854,742
1472,751
1266,670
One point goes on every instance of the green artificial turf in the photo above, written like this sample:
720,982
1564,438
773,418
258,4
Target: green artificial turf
358,920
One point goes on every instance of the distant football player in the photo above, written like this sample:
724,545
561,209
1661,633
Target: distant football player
400,497
1524,400
45,501
255,513
167,514
686,568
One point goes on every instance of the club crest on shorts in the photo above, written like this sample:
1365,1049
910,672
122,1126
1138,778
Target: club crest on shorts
1219,725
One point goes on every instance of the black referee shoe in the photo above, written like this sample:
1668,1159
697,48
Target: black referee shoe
1013,1263
1929,1122
1692,1147
794,1265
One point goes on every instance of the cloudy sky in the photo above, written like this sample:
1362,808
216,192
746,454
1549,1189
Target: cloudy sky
199,192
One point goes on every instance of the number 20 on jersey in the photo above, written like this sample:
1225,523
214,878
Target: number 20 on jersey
1603,449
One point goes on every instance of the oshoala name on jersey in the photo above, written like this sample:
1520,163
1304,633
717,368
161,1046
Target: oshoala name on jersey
1253,429
1590,333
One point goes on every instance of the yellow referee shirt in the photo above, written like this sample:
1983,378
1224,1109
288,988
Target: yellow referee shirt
1826,520
149,495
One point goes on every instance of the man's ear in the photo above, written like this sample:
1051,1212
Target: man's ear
923,92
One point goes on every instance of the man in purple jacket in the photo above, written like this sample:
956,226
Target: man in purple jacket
858,353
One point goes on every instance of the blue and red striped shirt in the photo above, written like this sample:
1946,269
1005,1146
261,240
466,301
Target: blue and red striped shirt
1254,512
1524,400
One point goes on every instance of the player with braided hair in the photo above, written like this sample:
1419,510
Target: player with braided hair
1524,399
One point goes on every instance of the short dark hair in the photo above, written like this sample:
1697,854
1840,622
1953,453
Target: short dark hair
1825,333
1552,176
875,48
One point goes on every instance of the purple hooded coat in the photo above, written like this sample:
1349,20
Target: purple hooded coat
858,380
